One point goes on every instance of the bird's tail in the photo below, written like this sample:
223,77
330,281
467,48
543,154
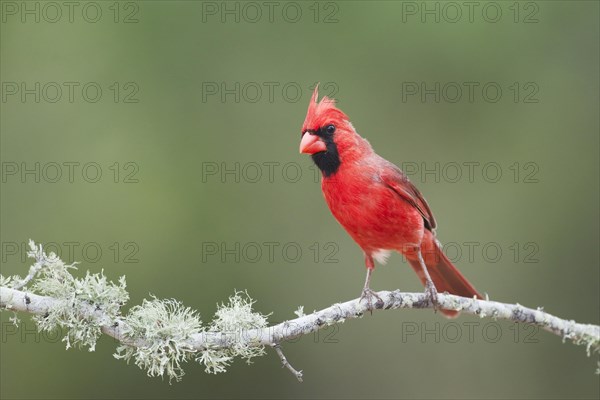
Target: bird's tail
444,274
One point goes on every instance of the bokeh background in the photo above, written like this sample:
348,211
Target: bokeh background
162,132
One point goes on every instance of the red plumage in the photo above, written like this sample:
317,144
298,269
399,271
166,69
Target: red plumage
374,200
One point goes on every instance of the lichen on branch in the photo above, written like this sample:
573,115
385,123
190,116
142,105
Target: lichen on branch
161,334
156,335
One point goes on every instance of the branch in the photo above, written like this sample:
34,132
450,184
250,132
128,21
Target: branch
159,335
586,334
286,364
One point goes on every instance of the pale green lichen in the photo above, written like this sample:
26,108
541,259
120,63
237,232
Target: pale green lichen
591,342
165,328
214,361
300,312
6,280
237,315
158,335
14,319
161,335
82,306
234,318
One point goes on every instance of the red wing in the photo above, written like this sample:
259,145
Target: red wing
396,180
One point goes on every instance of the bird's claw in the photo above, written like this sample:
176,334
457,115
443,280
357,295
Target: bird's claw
432,295
368,294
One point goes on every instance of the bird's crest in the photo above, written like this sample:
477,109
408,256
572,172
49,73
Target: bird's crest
321,112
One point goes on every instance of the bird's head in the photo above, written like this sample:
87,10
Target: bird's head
328,136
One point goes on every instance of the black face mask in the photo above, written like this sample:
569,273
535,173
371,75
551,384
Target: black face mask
327,161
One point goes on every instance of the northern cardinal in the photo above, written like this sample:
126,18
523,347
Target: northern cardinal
376,203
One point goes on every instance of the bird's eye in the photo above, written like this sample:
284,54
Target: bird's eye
330,129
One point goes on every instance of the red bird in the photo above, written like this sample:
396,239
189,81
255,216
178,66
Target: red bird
376,203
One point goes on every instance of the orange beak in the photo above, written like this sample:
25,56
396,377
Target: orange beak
311,144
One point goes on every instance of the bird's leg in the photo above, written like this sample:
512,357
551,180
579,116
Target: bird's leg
430,289
367,293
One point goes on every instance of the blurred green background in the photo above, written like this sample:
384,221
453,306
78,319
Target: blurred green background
159,65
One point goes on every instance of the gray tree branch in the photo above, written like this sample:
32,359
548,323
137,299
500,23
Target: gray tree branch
586,334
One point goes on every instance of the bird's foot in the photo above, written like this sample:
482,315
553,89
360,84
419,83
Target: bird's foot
432,295
368,294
